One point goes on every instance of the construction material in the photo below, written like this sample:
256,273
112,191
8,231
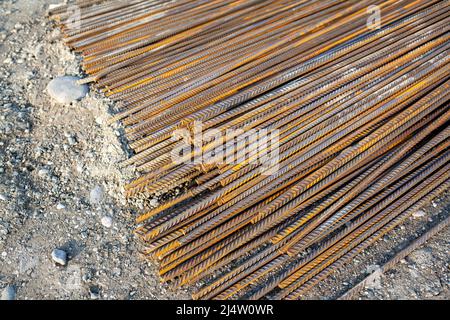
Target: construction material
310,128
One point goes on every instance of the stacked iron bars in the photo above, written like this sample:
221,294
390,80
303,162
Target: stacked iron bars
361,113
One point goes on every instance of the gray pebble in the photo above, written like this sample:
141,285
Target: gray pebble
72,141
9,293
60,257
65,89
94,293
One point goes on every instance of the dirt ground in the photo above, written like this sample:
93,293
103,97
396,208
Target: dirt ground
52,157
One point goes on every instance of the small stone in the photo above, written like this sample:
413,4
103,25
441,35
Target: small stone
60,206
79,168
86,277
372,268
94,293
117,272
72,141
107,222
154,202
43,173
419,214
3,229
9,293
65,89
96,195
60,257
3,197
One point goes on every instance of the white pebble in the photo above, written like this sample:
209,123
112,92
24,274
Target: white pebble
2,197
65,89
372,268
60,257
107,222
60,206
154,202
80,168
419,214
99,120
43,173
96,195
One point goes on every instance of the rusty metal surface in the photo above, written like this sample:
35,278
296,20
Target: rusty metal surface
361,115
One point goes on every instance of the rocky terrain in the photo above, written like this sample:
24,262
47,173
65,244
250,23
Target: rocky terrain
61,189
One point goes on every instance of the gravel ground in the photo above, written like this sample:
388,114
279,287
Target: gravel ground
59,177
60,188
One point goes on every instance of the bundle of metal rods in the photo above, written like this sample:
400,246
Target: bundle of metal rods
356,109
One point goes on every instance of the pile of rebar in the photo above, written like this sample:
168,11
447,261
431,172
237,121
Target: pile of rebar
336,122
